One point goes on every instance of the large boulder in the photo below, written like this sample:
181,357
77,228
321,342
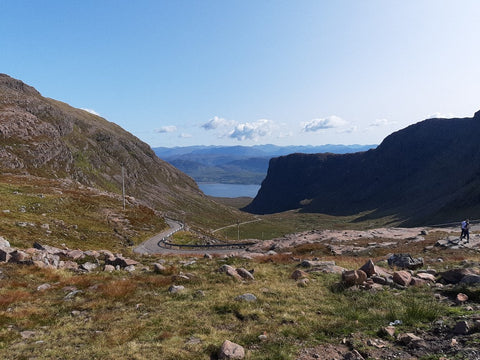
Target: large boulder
230,350
354,277
454,276
369,268
402,277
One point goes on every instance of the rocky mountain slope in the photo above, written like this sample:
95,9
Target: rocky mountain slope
47,138
426,173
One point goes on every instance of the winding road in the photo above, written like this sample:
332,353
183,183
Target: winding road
151,246
157,244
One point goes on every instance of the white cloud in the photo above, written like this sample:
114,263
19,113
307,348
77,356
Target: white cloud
217,122
185,136
166,129
324,123
381,123
91,111
252,131
349,130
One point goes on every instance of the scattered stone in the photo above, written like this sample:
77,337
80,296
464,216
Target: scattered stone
298,274
230,271
28,334
159,268
461,298
246,297
75,254
72,294
208,256
230,350
369,268
405,261
426,276
199,293
408,338
130,268
88,266
5,253
379,280
109,268
417,282
388,330
175,289
461,328
245,274
4,242
19,256
44,287
353,277
402,277
303,282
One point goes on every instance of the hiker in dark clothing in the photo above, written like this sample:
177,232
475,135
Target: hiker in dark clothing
465,230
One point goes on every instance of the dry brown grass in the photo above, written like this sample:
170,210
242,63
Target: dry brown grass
10,297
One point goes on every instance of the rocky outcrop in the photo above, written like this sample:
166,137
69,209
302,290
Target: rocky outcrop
45,256
414,174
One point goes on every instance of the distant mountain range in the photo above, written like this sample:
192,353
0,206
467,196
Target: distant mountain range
426,173
238,164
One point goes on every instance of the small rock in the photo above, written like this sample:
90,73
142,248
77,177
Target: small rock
159,268
418,282
230,350
130,268
246,297
303,282
461,328
208,256
408,338
174,289
298,274
88,266
461,298
28,334
245,274
4,242
426,276
44,287
388,330
199,293
109,268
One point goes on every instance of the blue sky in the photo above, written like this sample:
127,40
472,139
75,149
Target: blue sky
178,73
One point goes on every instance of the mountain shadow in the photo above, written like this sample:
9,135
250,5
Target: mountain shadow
426,173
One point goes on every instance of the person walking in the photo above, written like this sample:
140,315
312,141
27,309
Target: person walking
465,230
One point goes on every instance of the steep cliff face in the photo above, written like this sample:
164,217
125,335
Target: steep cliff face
426,172
45,137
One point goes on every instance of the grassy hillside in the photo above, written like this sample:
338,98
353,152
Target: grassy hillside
133,315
